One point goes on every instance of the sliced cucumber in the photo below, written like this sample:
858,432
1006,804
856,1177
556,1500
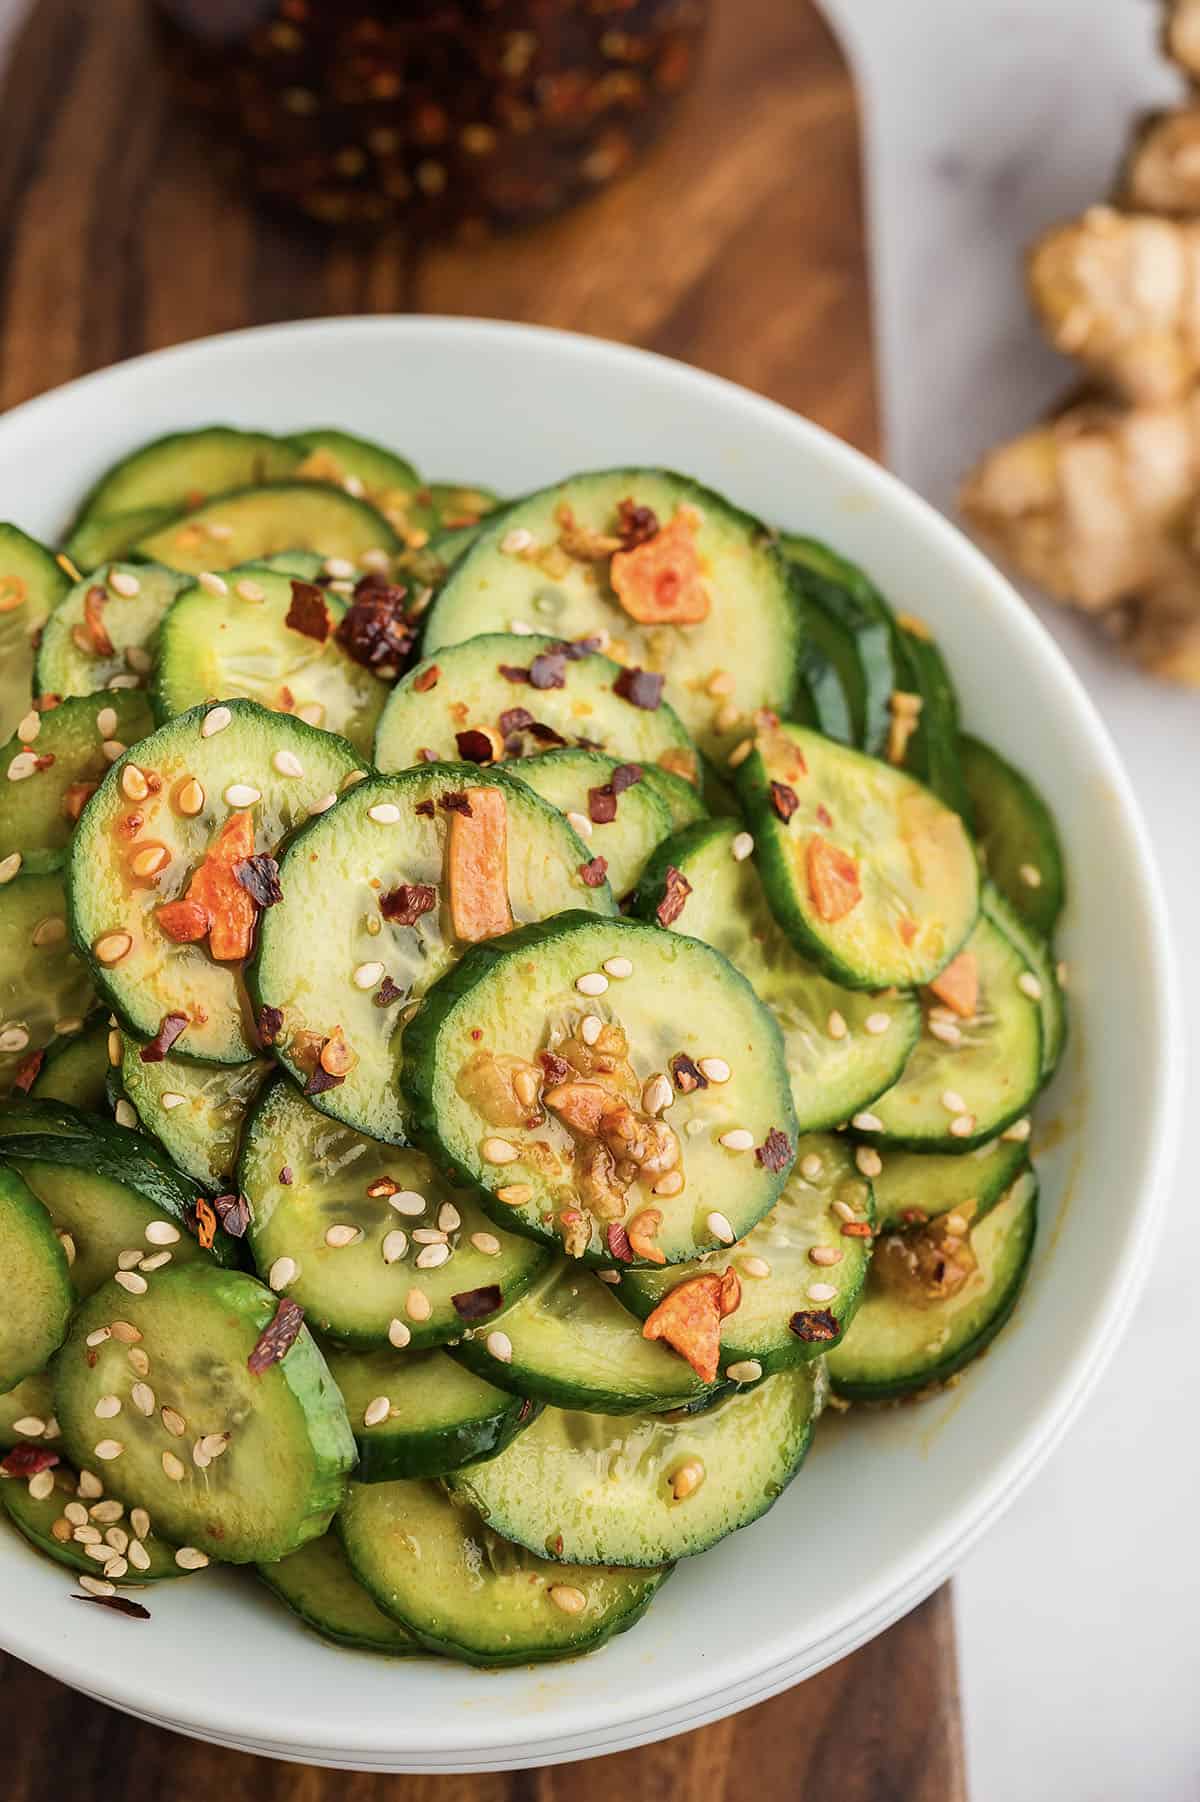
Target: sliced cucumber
932,752
1017,835
439,1416
389,482
74,1068
836,1065
318,1585
648,1488
867,872
534,565
42,1521
96,541
274,1444
671,1004
1036,952
462,690
45,987
184,468
903,1340
460,506
38,1297
825,1209
196,1111
106,641
849,620
821,700
32,584
389,838
216,646
428,1559
569,1341
681,797
306,1175
235,750
248,524
993,1067
915,1186
27,1411
581,785
62,756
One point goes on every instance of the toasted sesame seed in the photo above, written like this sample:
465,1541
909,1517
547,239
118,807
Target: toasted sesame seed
242,794
22,766
593,983
877,1023
581,824
343,1233
97,1586
88,1535
500,1347
670,1183
715,1068
133,783
687,1478
836,1026
384,813
125,1331
376,558
105,1513
417,1305
122,582
946,1031
67,1243
29,727
321,806
115,1047
487,1243
1029,985
111,749
60,1530
286,763
188,1557
53,1430
517,540
139,1520
737,1139
1018,1132
106,722
727,716
108,1449
953,1102
376,1410
137,1360
129,1259
125,1114
173,1467
9,866
138,1556
215,721
76,1513
173,1421
247,590
515,1195
740,753
868,1160
407,1201
367,976
215,1445
340,568
567,1597
212,583
821,1291
747,1370
30,1426
609,1276
312,713
398,1334
116,1567
113,946
867,1123
41,1485
13,1038
756,1267
123,682
161,1232
448,1217
131,1281
171,1099
139,659
657,1094
68,1024
811,1166
825,1254
499,1151
107,1406
1030,875
432,1257
89,1485
962,1126
118,1539
720,1228
429,1235
282,1272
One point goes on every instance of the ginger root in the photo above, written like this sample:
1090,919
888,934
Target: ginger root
1181,36
1162,171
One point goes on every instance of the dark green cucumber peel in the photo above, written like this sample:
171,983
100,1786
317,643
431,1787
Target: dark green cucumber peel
1017,835
36,1518
853,625
440,1416
39,1298
1038,955
319,1587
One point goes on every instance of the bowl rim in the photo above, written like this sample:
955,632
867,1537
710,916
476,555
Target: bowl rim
689,1702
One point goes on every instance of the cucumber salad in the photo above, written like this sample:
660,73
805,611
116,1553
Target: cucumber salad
508,1008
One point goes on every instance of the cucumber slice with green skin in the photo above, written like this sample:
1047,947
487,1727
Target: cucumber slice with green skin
680,797
461,689
104,1185
460,506
96,541
226,750
74,1068
519,995
319,1587
994,1069
27,1411
566,779
239,644
34,812
574,1345
440,1416
282,1471
849,619
305,564
38,1296
391,832
897,1347
427,1558
921,1185
428,565
331,455
195,1111
832,1078
45,986
248,524
601,1488
43,1523
1037,954
932,752
71,665
1017,836
373,1287
751,634
32,584
779,1322
820,697
914,864
183,468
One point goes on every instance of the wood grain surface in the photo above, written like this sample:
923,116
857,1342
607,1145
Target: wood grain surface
737,246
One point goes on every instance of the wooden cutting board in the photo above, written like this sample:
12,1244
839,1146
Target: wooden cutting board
738,247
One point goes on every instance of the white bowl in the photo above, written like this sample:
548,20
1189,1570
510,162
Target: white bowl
887,1504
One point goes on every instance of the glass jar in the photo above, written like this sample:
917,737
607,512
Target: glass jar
444,115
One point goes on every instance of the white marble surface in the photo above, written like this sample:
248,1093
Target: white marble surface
1078,1617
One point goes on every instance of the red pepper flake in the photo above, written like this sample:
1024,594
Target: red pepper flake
514,719
814,1326
286,1177
595,873
44,762
549,670
579,648
477,1304
425,809
775,1153
118,1604
687,1077
856,1229
28,1460
784,800
914,1216
640,687
545,735
276,1340
635,525
375,629
270,1020
824,817
675,895
206,1224
455,802
405,905
626,775
426,679
475,746
47,703
76,797
233,1211
27,1070
557,1068
602,804
387,993
169,1029
309,611
321,1080
94,603
259,876
618,1242
514,672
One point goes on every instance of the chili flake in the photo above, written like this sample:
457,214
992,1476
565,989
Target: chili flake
602,804
814,1326
626,775
118,1604
515,719
594,873
425,809
477,1304
426,679
27,1070
545,735
635,525
94,627
387,993
618,1242
784,800
321,1080
405,905
688,1077
549,670
169,1029
270,1019
775,1153
675,895
259,876
557,1068
641,688
375,629
28,1460
513,672
233,1211
309,611
206,1223
455,802
475,746
276,1340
